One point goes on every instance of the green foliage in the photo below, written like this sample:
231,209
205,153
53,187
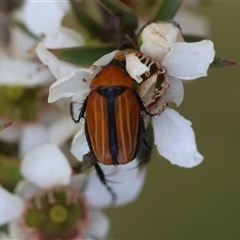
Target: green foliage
128,21
85,55
95,28
9,171
167,10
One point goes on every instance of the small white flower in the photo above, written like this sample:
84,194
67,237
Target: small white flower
174,137
64,38
47,171
28,72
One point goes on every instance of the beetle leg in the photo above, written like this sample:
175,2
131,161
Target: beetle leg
82,111
88,161
143,108
104,182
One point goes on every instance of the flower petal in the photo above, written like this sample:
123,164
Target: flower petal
157,52
105,59
99,225
4,236
60,131
46,166
127,183
189,60
39,17
25,189
175,92
23,72
148,86
175,139
15,230
65,38
28,142
79,145
10,134
71,84
192,23
161,33
11,206
77,181
135,67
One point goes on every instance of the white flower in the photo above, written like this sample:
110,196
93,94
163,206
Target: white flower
47,171
28,71
173,134
77,82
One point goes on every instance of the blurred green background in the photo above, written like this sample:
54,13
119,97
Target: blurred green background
203,202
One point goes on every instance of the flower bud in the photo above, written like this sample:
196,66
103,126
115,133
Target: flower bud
162,34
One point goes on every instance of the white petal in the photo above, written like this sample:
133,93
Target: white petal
175,139
175,92
70,85
135,67
128,180
107,58
25,189
60,131
15,231
4,236
77,181
161,33
46,166
23,72
22,45
65,38
10,134
11,206
147,86
43,17
79,145
189,60
28,141
99,225
157,52
192,23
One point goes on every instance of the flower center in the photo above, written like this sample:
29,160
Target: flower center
21,104
59,213
14,93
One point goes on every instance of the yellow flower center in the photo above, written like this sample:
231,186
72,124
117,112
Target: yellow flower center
58,213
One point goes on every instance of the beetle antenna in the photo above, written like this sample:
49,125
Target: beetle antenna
104,182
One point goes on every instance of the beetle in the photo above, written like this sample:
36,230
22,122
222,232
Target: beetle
114,124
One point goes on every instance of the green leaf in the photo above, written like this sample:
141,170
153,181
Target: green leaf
220,62
167,10
93,27
83,56
4,125
9,171
128,20
24,29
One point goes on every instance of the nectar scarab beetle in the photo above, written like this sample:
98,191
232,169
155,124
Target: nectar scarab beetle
114,125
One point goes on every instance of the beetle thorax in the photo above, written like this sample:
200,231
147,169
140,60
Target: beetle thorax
112,76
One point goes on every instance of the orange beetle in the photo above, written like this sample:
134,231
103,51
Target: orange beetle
114,123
